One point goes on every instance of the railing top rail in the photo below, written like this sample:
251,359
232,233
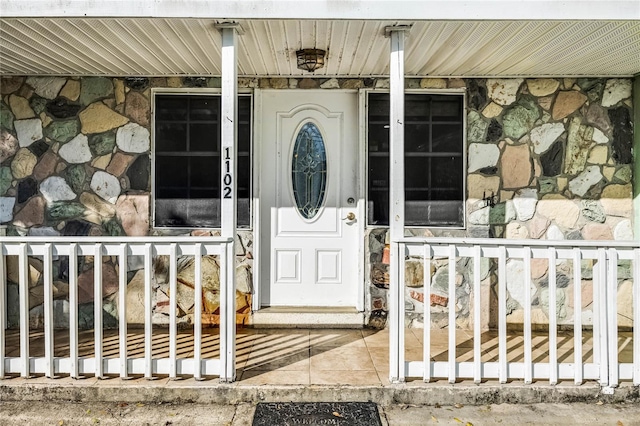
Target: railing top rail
116,240
518,243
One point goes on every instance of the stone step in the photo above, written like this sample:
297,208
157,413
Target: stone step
307,317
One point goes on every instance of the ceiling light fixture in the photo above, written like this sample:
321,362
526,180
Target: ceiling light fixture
310,59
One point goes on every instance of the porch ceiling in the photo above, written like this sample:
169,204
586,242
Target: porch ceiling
145,46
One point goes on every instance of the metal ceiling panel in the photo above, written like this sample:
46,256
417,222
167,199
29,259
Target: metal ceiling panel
191,47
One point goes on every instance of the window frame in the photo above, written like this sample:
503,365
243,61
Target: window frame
199,92
462,92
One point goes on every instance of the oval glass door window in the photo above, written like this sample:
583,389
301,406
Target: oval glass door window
309,170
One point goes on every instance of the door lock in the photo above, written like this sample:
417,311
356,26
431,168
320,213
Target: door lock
350,216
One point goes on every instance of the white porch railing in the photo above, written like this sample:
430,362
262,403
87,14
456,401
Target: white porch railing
124,365
605,256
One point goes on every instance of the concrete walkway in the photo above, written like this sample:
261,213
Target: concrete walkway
121,414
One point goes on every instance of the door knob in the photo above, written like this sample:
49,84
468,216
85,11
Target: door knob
350,216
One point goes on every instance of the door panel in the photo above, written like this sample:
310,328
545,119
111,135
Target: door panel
309,259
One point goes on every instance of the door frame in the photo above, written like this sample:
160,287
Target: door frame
258,139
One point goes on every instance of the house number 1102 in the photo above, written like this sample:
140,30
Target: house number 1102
227,180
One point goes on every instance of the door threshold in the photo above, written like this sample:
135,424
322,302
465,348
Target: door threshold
307,317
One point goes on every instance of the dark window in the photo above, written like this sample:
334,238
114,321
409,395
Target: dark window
433,159
187,161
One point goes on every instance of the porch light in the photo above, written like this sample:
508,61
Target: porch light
310,59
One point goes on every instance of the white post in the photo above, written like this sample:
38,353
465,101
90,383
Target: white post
396,200
3,307
229,200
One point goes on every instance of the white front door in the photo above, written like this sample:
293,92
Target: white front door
309,236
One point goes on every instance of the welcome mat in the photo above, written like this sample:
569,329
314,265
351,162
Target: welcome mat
316,414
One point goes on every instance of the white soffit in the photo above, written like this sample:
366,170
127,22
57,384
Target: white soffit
187,46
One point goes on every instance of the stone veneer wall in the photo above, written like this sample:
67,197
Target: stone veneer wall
75,160
554,154
547,159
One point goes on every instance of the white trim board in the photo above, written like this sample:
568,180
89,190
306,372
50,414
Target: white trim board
387,10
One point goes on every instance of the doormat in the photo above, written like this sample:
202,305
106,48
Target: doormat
316,414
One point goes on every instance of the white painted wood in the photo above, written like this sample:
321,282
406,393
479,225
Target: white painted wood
229,126
122,310
229,196
258,247
400,250
636,317
612,315
577,319
528,372
396,136
361,201
396,204
426,346
23,285
605,274
197,314
452,314
502,313
47,277
148,311
387,10
173,306
553,319
3,309
293,249
477,326
97,307
228,316
396,323
73,308
600,344
537,246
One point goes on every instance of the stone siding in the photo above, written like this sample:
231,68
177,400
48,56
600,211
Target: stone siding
75,161
547,158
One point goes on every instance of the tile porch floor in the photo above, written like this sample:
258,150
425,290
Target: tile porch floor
318,356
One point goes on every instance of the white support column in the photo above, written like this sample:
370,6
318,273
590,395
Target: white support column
396,200
229,197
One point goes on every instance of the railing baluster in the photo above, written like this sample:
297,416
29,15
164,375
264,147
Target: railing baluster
606,346
97,310
197,313
3,309
577,318
553,319
528,365
148,314
426,328
122,312
173,306
47,275
73,309
600,347
636,317
477,326
23,275
502,313
612,317
452,313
